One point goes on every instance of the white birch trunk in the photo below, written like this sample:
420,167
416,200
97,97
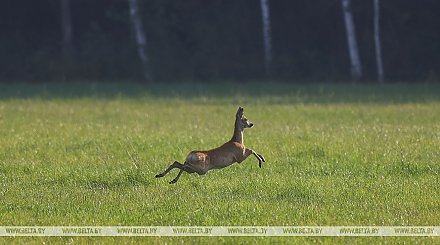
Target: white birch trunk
356,67
141,39
66,28
377,44
267,39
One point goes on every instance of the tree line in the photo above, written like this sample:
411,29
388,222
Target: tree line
198,40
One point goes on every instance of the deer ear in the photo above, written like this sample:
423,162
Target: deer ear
240,111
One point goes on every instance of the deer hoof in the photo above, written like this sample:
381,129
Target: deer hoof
259,164
173,181
159,175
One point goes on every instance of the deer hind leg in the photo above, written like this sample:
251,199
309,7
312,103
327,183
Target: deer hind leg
177,177
185,167
172,166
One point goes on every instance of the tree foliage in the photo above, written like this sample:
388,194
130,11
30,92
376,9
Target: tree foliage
217,39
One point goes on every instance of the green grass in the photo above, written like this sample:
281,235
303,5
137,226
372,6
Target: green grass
87,154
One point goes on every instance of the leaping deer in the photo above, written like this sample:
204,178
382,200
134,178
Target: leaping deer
230,152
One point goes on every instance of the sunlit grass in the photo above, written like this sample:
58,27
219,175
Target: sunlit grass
336,155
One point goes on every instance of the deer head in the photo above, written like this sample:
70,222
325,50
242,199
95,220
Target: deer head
241,120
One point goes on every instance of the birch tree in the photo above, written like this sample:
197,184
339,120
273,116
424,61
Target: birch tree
66,29
377,44
141,39
356,67
267,39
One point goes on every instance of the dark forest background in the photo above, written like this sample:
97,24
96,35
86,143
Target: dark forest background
212,40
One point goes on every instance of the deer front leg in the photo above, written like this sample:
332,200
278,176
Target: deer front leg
257,155
261,156
172,166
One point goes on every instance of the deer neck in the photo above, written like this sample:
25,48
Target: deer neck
238,133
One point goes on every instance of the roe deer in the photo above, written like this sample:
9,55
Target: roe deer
230,152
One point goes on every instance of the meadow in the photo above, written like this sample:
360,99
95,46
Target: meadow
342,154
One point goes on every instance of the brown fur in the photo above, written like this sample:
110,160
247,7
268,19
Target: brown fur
230,152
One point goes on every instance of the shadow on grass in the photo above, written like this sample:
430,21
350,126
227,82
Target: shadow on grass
276,93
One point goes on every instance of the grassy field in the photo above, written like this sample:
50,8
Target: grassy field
87,154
